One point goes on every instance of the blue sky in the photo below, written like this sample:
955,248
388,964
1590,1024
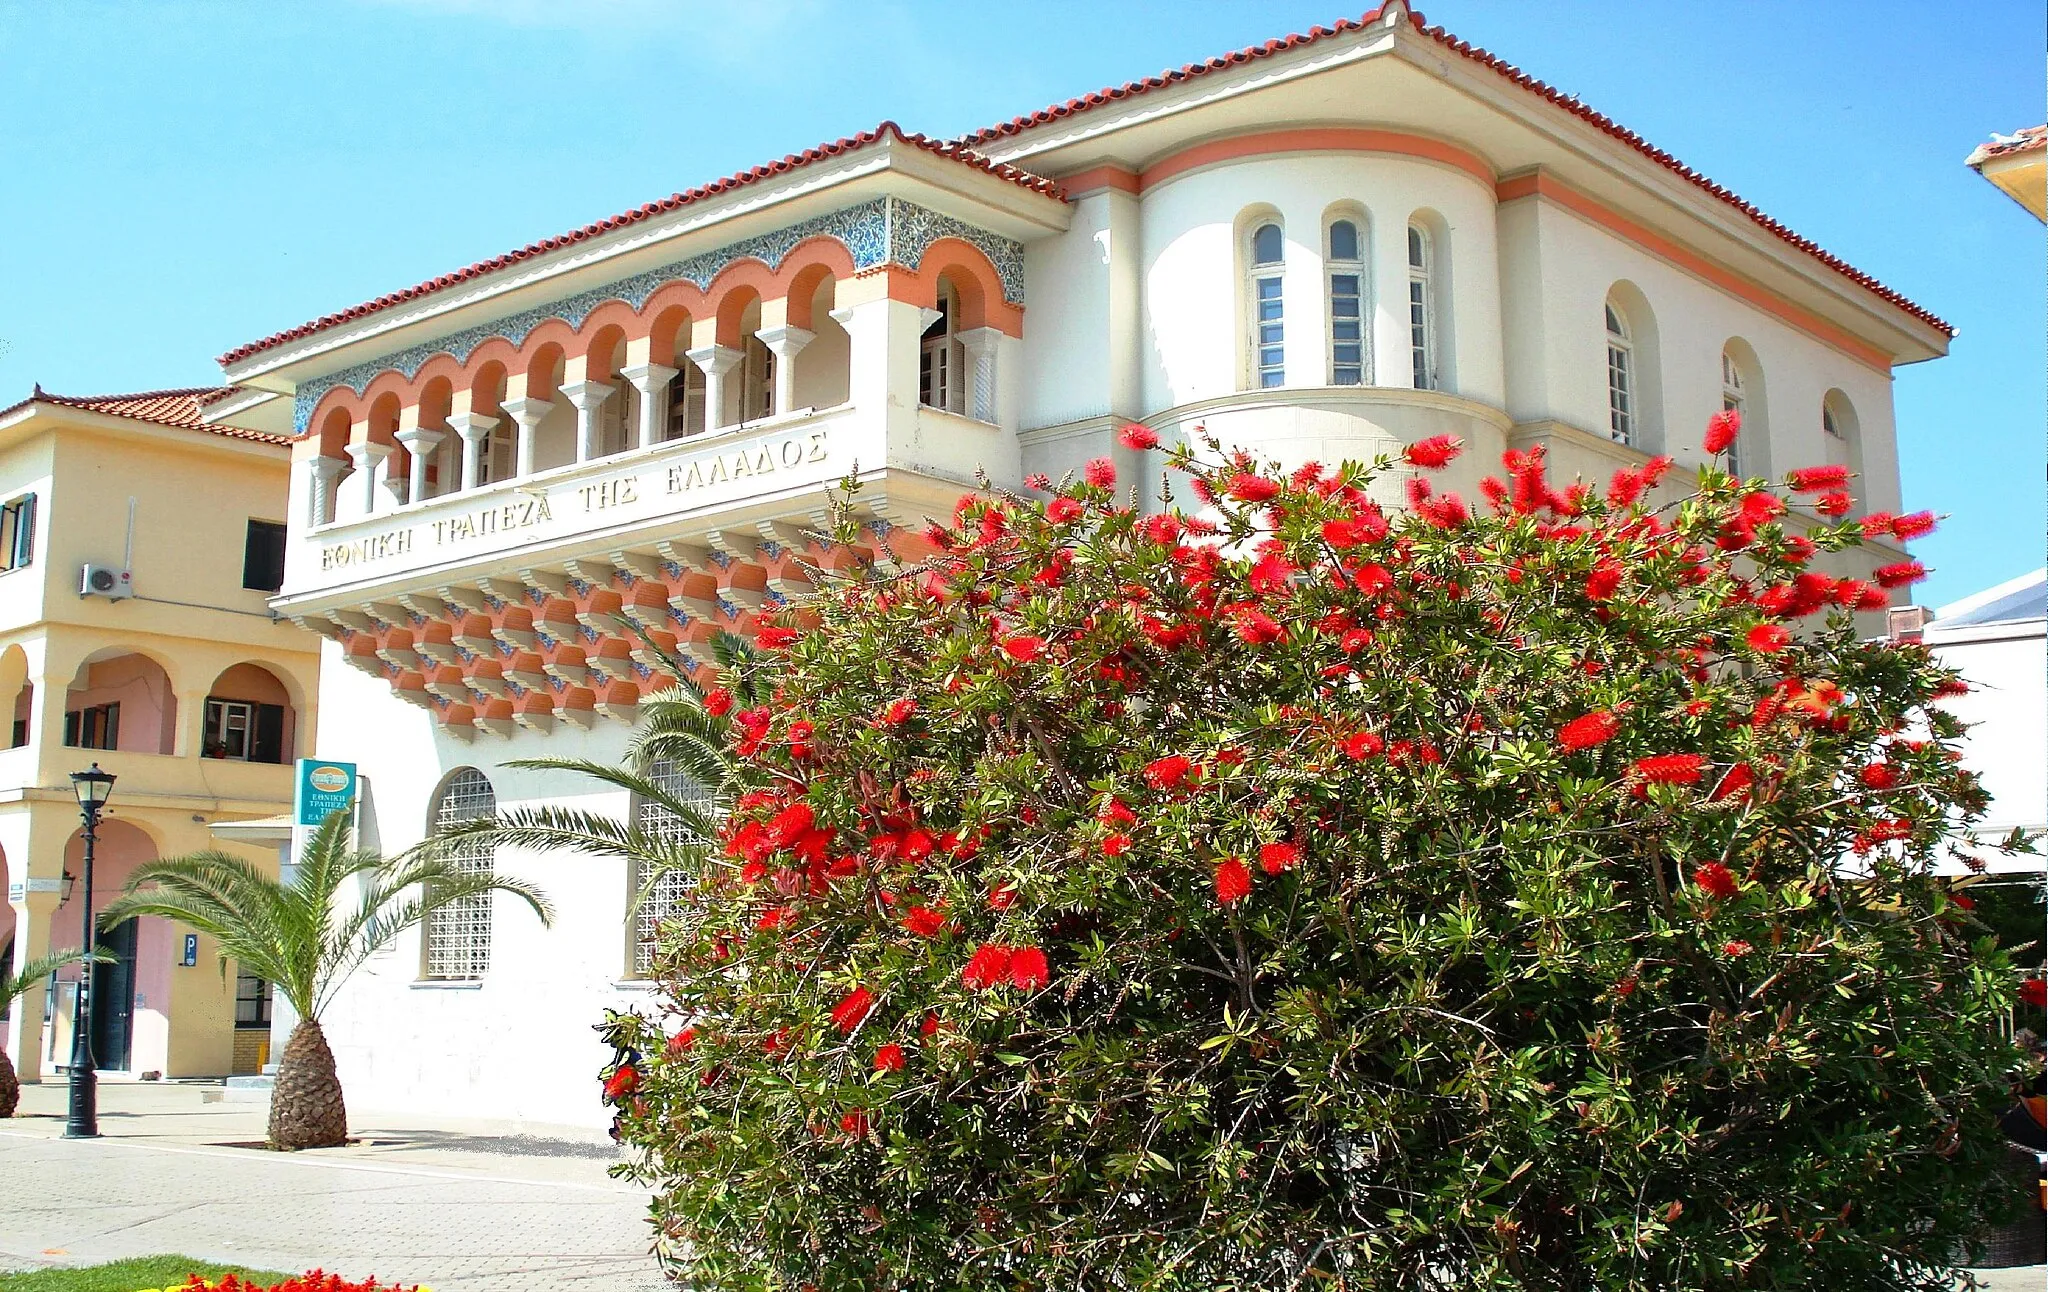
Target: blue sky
186,176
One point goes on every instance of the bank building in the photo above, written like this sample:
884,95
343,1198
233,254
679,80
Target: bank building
1321,247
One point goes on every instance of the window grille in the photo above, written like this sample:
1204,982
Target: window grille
1621,395
1421,320
1347,306
665,900
458,939
1269,323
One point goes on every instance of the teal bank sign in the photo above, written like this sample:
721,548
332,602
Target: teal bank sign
323,787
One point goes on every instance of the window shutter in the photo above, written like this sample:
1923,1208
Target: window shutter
266,744
25,531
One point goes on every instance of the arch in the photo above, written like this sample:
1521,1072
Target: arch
1638,379
1842,438
735,297
1347,289
146,948
541,366
334,430
823,377
1742,388
601,347
668,335
486,387
455,941
1432,347
17,696
121,698
815,259
1260,237
974,279
251,715
385,408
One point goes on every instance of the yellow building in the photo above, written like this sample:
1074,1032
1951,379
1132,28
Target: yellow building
139,542
2018,165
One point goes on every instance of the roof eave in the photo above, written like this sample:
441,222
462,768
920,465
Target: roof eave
20,417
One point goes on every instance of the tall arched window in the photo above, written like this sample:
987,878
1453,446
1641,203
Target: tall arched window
1733,399
1268,248
458,935
662,895
1621,389
1346,268
941,357
1421,309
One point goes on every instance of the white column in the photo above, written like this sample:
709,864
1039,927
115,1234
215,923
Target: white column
322,473
372,461
716,361
420,442
981,345
475,430
651,380
784,343
528,413
589,397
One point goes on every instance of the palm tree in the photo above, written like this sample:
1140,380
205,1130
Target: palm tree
14,986
296,935
679,762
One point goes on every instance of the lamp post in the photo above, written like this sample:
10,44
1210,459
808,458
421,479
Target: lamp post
92,788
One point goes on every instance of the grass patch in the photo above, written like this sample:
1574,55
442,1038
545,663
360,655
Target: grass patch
131,1275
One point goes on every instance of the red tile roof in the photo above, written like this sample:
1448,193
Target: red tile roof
180,408
2031,139
1466,50
674,202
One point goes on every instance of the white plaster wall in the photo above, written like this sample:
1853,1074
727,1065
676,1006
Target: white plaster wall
1195,329
1065,360
1556,272
518,1045
2007,708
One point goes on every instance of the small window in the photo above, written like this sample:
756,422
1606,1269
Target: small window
17,532
940,358
458,935
252,1001
1829,424
244,731
1421,310
1347,306
1621,393
95,727
685,402
618,420
668,896
1269,325
1732,400
263,556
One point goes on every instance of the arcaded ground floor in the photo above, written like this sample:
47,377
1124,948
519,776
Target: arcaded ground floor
460,1206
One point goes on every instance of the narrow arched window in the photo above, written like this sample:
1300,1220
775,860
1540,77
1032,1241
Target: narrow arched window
1421,310
1621,390
1269,364
1346,268
1732,400
939,359
458,935
663,892
1830,424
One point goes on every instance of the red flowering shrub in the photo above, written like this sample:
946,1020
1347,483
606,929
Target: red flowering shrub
310,1281
1293,894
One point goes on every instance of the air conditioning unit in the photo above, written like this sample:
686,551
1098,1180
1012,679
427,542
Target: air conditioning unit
105,581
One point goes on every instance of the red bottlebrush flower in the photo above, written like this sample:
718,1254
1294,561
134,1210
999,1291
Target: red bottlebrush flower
1819,479
683,1042
1247,486
1372,579
1257,628
1768,639
1626,987
1116,845
1669,769
1167,773
718,702
1115,815
1918,525
1878,776
1024,648
1715,880
622,1082
899,711
1362,745
1835,504
1061,510
1588,730
1233,880
1163,529
889,1058
1355,641
1604,581
1878,524
1270,573
852,1008
2034,992
1434,453
1446,511
1722,428
790,824
988,967
1760,507
924,921
775,637
1899,574
1963,900
1100,472
774,917
1624,488
1028,969
1872,599
930,1026
1736,949
1138,437
1274,858
1002,897
1948,688
1736,780
855,1124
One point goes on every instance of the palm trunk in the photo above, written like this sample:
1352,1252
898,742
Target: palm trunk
306,1110
10,1085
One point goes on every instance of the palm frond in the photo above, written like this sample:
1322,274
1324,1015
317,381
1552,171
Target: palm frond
14,985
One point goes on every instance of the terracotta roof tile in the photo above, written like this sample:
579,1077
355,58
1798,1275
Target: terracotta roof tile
940,148
179,408
1463,49
2031,139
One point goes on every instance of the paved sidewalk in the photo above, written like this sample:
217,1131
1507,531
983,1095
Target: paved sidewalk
459,1206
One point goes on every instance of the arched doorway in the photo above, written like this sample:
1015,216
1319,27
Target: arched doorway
121,700
132,993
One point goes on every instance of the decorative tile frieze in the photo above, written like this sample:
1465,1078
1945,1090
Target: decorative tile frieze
887,230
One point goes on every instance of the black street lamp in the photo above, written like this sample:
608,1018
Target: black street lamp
92,788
